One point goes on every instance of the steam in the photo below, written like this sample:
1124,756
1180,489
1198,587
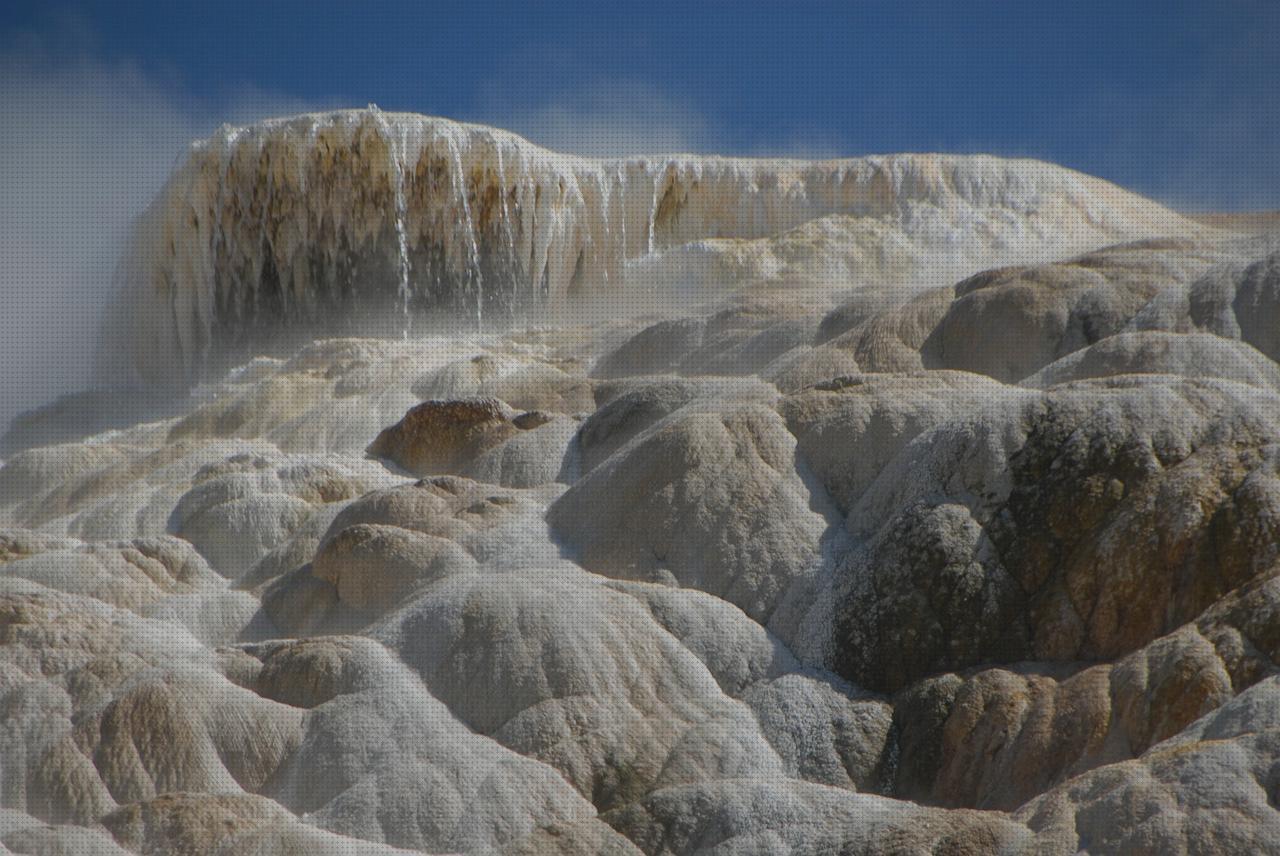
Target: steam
609,119
623,118
85,143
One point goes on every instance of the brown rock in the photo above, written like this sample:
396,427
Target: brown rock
444,436
374,567
999,737
183,824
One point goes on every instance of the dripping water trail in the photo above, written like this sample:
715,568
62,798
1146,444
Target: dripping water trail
475,280
653,212
506,222
602,248
396,167
220,263
622,201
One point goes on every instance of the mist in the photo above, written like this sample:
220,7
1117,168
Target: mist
87,143
606,118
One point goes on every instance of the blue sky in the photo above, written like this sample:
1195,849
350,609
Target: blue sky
1176,99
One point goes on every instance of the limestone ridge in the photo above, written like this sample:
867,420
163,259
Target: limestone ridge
331,223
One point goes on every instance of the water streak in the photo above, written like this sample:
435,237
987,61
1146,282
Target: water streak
653,213
475,281
506,213
396,175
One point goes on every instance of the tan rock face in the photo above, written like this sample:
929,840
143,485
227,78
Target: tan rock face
375,553
1119,540
1008,323
188,824
1071,529
443,436
890,339
1161,352
1211,784
375,567
198,824
850,428
707,498
998,737
308,672
524,386
479,437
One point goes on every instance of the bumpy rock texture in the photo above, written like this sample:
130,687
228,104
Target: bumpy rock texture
902,505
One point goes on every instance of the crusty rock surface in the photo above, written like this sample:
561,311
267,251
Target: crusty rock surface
901,505
444,436
708,498
1008,323
1158,352
1080,524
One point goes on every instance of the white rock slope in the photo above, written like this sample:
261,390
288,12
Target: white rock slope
906,504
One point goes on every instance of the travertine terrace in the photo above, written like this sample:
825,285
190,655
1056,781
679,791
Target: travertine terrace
446,494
